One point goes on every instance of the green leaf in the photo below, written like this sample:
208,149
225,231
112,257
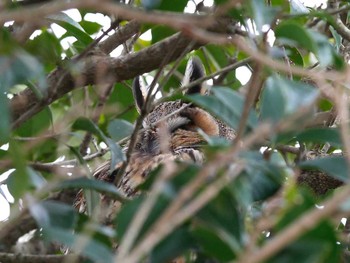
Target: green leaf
262,14
18,181
295,56
90,27
282,97
97,185
225,104
318,245
87,125
297,7
36,179
20,68
170,5
72,27
36,124
299,204
58,221
160,32
218,59
52,214
296,33
172,246
92,249
130,209
324,52
281,4
24,179
220,2
47,48
5,118
223,223
151,4
321,135
265,177
338,38
212,243
335,166
117,154
119,129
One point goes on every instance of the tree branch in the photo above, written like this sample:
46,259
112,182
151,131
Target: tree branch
60,81
300,226
29,258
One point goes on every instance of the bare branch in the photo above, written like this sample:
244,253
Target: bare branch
300,226
60,82
174,20
28,258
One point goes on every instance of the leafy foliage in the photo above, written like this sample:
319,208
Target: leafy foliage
67,106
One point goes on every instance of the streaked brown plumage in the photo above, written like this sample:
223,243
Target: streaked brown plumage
184,142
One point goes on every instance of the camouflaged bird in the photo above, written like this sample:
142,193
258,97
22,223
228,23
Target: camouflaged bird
183,123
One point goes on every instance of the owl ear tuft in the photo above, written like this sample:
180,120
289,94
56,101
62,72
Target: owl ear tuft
137,92
194,70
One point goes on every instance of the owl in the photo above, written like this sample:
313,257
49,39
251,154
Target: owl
176,122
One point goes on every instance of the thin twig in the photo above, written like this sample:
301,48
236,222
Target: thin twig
299,226
254,87
166,223
144,111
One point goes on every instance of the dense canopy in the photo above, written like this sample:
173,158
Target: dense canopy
276,72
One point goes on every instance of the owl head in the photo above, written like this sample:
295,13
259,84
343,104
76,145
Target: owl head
181,121
179,116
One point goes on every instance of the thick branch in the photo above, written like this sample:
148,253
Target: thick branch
119,37
26,258
25,225
95,68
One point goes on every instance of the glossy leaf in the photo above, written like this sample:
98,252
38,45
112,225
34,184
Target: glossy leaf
54,214
116,151
19,68
282,97
23,180
46,47
72,27
161,32
119,129
97,185
18,181
151,4
297,33
92,249
263,15
212,243
36,124
265,177
225,104
222,221
176,243
321,135
294,34
317,244
168,5
90,27
5,120
335,166
297,7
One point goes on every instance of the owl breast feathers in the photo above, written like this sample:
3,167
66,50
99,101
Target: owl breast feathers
175,122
